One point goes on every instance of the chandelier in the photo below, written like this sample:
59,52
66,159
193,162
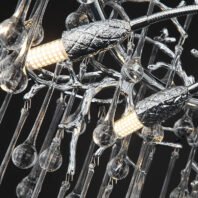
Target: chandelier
111,81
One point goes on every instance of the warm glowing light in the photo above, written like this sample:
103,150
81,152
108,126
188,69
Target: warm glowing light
46,54
127,125
54,52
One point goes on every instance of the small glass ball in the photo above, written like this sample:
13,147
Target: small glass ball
118,168
13,79
132,71
194,192
76,19
50,160
24,156
180,193
25,188
12,33
154,134
85,1
104,135
184,127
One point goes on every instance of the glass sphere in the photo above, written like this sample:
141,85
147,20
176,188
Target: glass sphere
184,127
1,50
76,19
12,33
194,193
51,159
104,135
13,77
132,71
24,156
25,188
180,193
154,134
86,1
118,168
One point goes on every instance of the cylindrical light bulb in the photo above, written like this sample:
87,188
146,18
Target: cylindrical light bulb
46,54
127,125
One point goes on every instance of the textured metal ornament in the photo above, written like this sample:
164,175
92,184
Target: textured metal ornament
94,37
161,106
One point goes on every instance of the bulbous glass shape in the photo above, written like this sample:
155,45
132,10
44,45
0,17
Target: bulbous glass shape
13,77
51,158
24,156
118,168
194,193
180,193
86,1
184,126
132,71
25,188
15,80
12,33
154,134
76,19
104,135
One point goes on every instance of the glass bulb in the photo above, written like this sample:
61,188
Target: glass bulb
76,19
180,193
13,77
25,188
12,33
154,133
132,71
24,156
184,126
194,193
86,1
51,158
118,168
104,135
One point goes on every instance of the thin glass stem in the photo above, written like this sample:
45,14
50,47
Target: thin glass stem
4,106
83,174
105,180
39,183
88,179
22,9
39,120
140,45
174,157
143,164
179,51
7,157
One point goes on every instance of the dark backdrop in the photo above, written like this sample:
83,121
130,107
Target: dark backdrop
54,25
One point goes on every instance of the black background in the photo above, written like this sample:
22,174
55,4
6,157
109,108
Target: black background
54,25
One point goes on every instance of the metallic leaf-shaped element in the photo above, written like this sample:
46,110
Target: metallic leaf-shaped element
162,105
94,37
